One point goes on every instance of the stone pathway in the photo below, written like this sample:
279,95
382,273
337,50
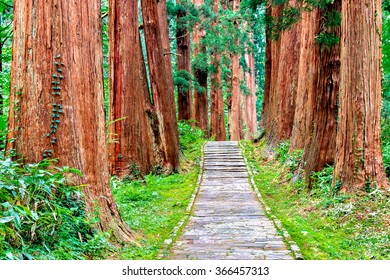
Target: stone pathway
227,221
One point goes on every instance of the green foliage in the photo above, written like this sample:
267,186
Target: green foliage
325,224
386,146
327,40
182,79
41,215
154,206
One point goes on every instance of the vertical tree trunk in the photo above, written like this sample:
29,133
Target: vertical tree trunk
235,118
166,44
164,122
250,114
217,111
285,86
131,143
307,82
183,64
320,147
358,152
282,56
56,104
272,54
200,96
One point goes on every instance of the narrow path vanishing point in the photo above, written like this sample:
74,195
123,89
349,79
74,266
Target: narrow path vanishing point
228,221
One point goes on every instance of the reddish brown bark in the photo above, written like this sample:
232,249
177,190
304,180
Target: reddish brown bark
320,147
307,82
235,117
271,71
281,79
249,112
183,64
200,96
166,44
130,138
358,152
217,111
60,42
164,123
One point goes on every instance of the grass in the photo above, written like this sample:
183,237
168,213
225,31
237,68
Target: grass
155,205
324,223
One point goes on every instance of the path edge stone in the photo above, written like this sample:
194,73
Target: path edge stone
168,243
294,248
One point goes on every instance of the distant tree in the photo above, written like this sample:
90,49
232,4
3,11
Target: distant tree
200,72
183,59
217,112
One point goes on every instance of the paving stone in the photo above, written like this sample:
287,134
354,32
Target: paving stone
227,221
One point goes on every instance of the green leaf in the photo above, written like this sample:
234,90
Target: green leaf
5,220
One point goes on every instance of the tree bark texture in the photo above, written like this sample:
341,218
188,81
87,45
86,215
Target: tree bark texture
320,149
200,97
272,54
358,147
249,112
217,111
284,89
163,118
130,137
307,83
166,44
236,114
183,59
56,104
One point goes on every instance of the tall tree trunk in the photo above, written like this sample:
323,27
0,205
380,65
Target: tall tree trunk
164,122
131,143
320,147
358,147
166,44
282,55
217,111
200,74
56,104
235,118
307,82
250,114
272,54
183,64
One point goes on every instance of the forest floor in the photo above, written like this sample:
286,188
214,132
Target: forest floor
325,223
227,220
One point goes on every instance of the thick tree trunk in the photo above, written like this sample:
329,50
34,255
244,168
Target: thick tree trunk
56,104
183,64
282,57
285,87
235,118
272,54
320,147
217,111
200,96
164,121
307,82
130,138
358,148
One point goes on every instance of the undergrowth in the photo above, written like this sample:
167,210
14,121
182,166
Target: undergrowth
325,223
42,216
154,205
